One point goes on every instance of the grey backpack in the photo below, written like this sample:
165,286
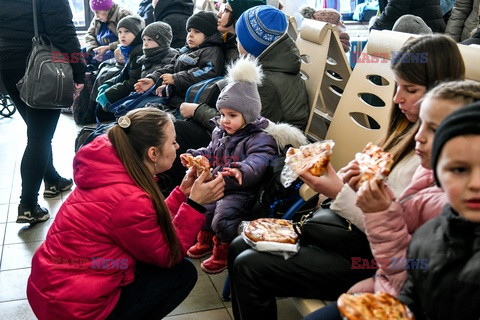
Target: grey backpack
48,79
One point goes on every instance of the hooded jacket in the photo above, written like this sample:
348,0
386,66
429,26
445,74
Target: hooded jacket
449,286
116,14
463,20
176,14
16,32
389,231
103,228
429,10
283,92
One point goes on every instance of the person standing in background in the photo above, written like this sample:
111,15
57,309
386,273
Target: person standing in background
176,14
16,33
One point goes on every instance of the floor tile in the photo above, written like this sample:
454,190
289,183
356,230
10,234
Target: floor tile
18,233
203,297
218,314
16,256
18,310
4,213
13,284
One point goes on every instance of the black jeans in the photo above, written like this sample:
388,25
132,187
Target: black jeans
329,312
37,161
257,278
155,292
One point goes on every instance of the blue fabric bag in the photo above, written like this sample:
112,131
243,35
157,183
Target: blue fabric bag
130,102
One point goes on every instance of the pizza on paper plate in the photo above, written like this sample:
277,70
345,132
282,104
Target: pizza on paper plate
374,163
315,157
369,306
272,230
199,164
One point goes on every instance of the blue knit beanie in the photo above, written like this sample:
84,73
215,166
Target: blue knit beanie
260,26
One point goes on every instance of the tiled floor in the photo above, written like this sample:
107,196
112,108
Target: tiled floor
19,241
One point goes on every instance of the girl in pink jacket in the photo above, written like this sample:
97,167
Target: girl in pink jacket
116,248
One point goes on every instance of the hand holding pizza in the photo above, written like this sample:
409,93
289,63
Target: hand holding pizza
351,174
203,191
329,184
372,197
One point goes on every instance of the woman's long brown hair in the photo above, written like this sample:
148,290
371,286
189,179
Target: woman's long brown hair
443,62
147,129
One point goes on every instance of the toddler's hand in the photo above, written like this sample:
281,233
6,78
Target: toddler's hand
233,172
143,84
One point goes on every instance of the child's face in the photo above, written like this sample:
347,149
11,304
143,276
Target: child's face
432,113
102,15
125,36
149,43
458,170
231,120
407,97
195,38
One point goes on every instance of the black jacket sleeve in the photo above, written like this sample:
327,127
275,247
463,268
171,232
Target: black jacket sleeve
203,114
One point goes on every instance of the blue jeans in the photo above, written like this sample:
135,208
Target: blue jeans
155,292
37,161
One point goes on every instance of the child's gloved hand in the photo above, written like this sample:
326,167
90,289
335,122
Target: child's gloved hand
103,88
102,99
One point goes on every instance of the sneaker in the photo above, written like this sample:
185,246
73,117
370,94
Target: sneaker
53,190
37,214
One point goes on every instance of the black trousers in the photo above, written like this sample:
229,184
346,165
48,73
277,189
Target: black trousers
155,292
37,161
257,278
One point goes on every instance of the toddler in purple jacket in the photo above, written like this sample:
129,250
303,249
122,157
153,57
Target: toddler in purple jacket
241,151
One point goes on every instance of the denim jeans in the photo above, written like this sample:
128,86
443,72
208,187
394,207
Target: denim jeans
37,163
155,292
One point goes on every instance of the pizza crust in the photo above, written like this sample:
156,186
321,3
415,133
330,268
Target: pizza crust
374,163
369,306
199,164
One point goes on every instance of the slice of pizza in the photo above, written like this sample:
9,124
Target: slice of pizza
199,164
314,157
374,163
272,230
369,306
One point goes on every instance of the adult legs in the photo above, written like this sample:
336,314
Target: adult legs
257,278
155,291
41,124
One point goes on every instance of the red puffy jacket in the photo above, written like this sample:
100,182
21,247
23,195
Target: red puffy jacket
105,226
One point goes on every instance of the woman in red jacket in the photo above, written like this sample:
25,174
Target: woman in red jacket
116,248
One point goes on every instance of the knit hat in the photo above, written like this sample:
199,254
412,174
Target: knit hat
160,32
204,21
97,5
463,121
133,23
240,6
331,16
258,27
409,23
241,92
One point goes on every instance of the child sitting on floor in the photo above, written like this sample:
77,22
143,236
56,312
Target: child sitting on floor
202,58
